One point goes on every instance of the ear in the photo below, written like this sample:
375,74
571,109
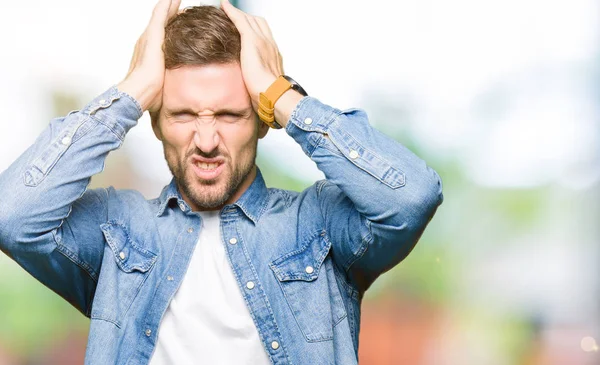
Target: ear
263,128
155,126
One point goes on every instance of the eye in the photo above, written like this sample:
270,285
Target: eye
184,118
229,117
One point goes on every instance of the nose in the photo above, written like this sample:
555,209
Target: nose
206,136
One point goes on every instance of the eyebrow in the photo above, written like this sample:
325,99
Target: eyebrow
179,112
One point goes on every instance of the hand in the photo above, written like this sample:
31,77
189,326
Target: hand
260,59
144,80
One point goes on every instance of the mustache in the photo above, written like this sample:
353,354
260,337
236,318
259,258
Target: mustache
198,152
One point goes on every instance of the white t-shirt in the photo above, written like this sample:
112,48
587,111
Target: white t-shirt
207,321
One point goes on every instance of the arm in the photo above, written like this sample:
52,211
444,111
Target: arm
378,196
49,221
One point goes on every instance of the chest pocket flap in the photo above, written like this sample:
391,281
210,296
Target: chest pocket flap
129,255
303,264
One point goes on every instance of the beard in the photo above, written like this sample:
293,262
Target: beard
213,193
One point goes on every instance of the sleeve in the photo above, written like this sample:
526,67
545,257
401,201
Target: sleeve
49,221
378,196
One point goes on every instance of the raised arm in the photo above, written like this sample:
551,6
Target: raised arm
49,221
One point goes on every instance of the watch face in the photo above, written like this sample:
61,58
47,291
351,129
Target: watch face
296,86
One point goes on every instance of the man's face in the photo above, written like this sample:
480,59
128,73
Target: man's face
209,133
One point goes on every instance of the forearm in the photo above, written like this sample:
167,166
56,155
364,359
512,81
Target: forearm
377,173
43,183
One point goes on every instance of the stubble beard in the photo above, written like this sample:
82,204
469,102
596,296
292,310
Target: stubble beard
214,193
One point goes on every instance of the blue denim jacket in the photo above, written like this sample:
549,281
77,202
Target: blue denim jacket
119,258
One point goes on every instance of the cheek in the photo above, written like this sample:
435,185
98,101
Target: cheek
239,142
177,140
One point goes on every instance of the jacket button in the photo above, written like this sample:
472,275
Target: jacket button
353,154
233,241
275,345
122,255
148,332
250,285
309,270
190,230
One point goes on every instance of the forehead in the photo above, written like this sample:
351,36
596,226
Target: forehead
205,88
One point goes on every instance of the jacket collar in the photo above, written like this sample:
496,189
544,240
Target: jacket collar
253,202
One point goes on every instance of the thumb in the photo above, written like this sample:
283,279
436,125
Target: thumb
237,16
173,9
160,13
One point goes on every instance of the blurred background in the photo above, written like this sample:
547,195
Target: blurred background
500,97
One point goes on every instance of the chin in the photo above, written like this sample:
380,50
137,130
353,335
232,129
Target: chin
207,193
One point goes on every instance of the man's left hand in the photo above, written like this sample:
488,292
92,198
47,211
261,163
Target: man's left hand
260,59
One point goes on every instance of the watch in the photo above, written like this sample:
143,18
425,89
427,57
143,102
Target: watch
295,86
267,100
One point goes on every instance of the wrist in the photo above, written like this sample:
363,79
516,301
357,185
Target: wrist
264,85
278,101
142,93
286,105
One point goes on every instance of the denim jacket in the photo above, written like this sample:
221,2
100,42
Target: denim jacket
119,258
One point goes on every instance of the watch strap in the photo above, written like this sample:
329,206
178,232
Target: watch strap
267,100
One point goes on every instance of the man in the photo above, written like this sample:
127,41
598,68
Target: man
218,269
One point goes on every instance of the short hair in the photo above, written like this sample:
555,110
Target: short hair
201,35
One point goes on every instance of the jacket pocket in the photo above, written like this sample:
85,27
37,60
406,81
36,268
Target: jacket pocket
308,283
125,267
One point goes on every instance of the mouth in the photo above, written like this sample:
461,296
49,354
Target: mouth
207,166
207,169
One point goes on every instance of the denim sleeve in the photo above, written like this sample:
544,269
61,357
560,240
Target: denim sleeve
49,221
378,196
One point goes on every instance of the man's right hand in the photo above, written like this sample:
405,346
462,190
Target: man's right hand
144,80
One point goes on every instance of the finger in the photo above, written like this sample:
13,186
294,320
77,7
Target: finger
174,9
237,16
264,27
160,13
254,25
155,32
135,56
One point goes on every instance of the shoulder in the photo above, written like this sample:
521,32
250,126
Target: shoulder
128,201
321,189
